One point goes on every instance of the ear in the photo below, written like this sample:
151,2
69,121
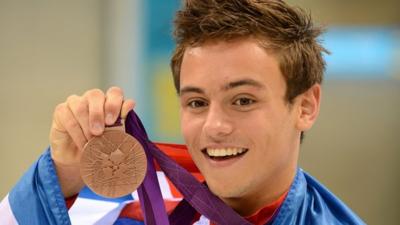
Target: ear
308,105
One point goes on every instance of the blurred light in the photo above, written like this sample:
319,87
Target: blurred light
361,52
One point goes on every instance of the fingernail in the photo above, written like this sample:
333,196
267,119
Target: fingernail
97,128
109,119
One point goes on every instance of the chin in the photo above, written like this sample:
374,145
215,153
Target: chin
225,191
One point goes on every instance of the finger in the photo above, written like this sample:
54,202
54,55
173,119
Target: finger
80,110
112,106
65,121
127,106
95,99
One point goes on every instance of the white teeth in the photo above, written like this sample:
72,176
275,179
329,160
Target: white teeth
221,152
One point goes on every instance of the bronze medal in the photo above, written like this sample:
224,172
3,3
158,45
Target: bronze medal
113,164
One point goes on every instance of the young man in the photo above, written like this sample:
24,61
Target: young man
248,75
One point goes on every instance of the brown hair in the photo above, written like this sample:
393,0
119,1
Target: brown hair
285,30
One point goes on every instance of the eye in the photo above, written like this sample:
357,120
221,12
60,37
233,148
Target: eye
243,101
197,104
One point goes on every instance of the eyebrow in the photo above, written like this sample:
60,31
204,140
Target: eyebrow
190,89
244,82
231,85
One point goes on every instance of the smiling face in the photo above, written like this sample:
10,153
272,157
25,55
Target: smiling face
239,129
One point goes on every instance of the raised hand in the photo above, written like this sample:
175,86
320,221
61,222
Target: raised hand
75,122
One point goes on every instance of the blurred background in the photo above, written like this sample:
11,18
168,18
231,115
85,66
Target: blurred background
52,49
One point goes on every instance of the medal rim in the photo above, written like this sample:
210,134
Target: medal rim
118,192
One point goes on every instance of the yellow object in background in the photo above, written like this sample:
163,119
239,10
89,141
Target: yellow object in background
167,124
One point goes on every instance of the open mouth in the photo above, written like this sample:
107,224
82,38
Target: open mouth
220,154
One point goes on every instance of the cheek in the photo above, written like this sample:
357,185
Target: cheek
263,129
255,125
185,126
190,128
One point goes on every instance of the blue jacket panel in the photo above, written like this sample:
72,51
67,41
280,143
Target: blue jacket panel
310,203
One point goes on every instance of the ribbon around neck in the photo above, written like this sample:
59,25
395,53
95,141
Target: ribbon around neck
197,196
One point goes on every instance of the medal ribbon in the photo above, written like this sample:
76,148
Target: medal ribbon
197,197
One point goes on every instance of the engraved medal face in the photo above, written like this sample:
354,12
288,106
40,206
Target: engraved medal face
114,164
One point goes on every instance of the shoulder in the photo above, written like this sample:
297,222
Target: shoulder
323,205
311,203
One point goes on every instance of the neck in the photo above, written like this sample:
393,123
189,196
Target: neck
250,203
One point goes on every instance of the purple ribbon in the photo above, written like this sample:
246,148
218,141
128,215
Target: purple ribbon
197,196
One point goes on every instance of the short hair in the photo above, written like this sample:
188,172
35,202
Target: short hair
286,31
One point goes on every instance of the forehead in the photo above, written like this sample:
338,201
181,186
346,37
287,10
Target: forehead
221,62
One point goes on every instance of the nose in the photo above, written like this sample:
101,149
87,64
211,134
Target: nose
218,123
